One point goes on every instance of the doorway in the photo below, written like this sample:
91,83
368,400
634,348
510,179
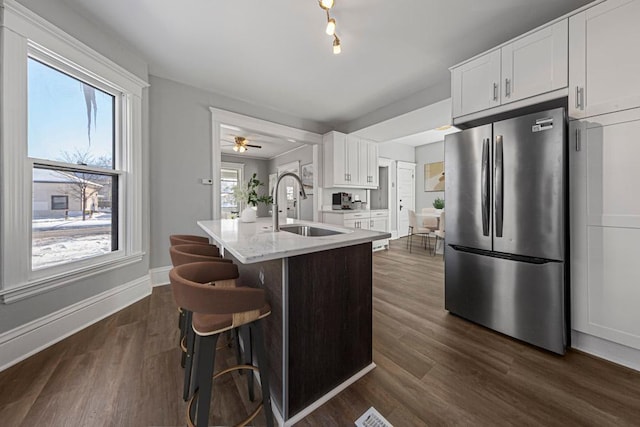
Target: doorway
406,195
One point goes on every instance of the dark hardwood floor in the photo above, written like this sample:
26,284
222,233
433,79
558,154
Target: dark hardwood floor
432,369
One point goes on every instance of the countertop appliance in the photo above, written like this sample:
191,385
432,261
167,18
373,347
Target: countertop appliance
340,201
506,259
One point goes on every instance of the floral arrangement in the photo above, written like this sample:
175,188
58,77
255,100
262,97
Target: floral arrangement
249,195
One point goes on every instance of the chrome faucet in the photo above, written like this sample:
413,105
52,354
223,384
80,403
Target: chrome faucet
276,224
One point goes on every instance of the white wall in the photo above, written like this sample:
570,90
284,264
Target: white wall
428,153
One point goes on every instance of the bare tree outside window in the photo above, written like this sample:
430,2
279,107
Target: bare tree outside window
86,185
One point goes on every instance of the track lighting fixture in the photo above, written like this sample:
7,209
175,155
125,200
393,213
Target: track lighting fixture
326,4
336,45
331,25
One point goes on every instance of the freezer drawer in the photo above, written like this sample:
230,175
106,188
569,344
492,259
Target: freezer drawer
520,299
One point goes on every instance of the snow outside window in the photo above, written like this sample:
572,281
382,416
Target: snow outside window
72,143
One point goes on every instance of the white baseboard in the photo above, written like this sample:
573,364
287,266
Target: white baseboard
30,338
159,276
608,350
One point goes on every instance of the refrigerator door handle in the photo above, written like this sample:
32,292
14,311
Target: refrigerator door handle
485,183
499,187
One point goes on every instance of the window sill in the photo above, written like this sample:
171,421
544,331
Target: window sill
39,286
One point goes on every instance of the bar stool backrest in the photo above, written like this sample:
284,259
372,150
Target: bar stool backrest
183,254
192,289
184,239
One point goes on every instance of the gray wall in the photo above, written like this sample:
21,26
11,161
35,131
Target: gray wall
258,166
21,312
428,153
180,123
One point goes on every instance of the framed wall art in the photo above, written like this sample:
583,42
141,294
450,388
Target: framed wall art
434,176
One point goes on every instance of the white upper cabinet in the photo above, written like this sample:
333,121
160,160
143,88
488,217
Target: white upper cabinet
476,84
604,64
337,169
349,161
536,63
368,163
531,65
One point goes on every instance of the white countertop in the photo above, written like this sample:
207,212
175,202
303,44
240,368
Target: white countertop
251,242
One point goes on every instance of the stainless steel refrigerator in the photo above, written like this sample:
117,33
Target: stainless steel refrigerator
505,259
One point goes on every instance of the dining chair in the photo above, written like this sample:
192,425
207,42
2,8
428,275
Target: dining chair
439,235
414,228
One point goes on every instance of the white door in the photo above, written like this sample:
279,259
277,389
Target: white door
289,192
406,195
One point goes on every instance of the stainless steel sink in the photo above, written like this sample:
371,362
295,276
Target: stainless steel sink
310,231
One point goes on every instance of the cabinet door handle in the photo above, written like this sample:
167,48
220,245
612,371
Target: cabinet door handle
578,142
495,91
579,98
507,87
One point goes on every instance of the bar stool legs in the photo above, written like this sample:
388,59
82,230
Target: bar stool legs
200,403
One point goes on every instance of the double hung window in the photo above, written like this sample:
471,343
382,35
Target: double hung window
71,159
73,151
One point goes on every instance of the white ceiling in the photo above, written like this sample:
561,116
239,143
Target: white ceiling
270,145
275,53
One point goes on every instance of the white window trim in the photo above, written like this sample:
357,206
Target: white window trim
22,31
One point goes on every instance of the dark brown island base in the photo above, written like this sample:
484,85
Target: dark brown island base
319,334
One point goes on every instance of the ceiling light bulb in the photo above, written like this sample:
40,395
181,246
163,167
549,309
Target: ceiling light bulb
326,4
235,148
331,26
336,45
242,149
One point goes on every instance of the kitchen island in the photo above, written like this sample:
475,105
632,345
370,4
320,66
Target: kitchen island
319,334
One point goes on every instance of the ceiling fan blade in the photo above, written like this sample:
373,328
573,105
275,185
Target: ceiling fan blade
254,146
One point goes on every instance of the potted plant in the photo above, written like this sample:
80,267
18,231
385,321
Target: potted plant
250,197
438,203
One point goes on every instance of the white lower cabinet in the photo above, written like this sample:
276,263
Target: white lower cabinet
377,220
605,227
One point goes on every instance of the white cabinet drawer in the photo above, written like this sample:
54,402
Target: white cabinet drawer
359,215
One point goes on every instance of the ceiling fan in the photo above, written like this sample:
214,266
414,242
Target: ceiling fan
241,144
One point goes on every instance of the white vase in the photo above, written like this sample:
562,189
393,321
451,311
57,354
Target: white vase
248,214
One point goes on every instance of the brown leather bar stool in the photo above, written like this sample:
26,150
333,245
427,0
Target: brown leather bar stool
217,309
185,254
184,239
